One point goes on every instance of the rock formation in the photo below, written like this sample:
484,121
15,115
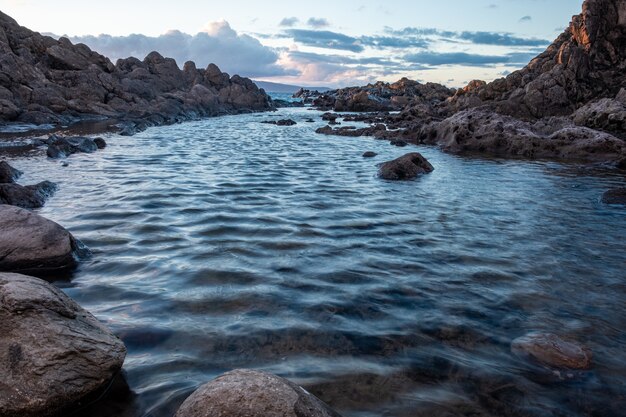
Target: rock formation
406,167
253,394
43,81
53,354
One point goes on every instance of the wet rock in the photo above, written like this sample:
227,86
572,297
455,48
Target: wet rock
283,122
253,394
100,143
553,351
8,174
615,196
30,196
621,164
59,148
400,143
279,104
369,154
310,121
53,354
330,117
85,145
406,167
34,245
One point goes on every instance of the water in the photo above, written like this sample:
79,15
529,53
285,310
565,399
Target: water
228,243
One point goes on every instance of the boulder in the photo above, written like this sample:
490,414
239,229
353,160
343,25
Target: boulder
253,394
398,142
8,174
553,351
53,354
59,148
30,196
369,154
615,196
406,167
32,244
100,143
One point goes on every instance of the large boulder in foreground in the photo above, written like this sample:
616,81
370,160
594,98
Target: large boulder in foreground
553,351
53,354
406,167
8,174
253,394
30,196
32,244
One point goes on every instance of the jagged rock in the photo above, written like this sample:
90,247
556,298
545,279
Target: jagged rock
34,245
30,196
253,394
8,174
53,354
406,167
48,81
615,196
606,114
552,350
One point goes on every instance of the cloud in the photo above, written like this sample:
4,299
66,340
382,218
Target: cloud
218,43
317,23
476,37
289,22
471,60
325,39
525,19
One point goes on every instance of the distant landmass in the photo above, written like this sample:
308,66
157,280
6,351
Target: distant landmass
285,88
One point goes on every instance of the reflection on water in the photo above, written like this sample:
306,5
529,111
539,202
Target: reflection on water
229,243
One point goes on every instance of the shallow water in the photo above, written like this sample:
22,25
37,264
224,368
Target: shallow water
228,243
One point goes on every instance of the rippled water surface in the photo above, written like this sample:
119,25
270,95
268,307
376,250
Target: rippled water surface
228,243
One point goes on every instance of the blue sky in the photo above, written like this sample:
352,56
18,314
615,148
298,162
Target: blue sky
324,42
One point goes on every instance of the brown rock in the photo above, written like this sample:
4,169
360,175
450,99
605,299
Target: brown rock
53,354
551,350
253,394
406,167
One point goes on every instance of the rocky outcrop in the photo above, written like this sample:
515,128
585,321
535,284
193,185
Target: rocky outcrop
585,63
615,196
253,394
43,80
34,245
53,354
30,196
8,174
406,167
553,351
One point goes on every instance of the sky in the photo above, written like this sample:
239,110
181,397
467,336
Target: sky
318,43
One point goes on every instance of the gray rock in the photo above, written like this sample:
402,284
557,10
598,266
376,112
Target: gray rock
30,196
552,350
253,394
59,148
86,145
406,167
615,196
34,245
53,354
8,174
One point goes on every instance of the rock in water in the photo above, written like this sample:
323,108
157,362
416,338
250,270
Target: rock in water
53,354
31,196
551,350
369,154
253,394
615,196
32,244
406,167
100,143
8,174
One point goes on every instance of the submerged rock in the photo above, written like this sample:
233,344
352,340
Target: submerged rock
369,154
406,167
283,122
615,196
8,174
100,143
253,394
53,354
34,245
553,351
30,196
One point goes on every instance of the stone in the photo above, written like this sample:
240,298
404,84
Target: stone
406,167
86,145
53,354
253,394
30,196
615,196
59,148
398,142
100,143
369,154
8,174
34,245
553,351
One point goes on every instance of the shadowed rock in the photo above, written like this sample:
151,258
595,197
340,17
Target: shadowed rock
100,143
369,154
53,354
8,174
406,167
32,244
253,394
615,196
551,350
30,196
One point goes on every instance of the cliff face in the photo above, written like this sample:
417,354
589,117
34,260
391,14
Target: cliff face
585,63
43,80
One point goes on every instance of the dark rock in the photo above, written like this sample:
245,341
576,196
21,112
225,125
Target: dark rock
406,167
369,154
284,122
615,196
100,143
59,148
279,104
53,354
34,245
86,145
553,351
400,143
253,394
331,117
621,164
8,174
31,196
